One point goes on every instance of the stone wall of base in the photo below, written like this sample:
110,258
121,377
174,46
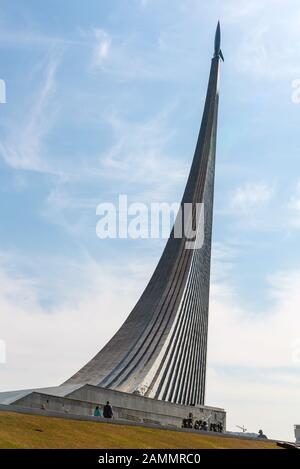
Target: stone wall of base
126,407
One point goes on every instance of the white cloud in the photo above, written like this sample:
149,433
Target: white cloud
250,196
267,49
102,47
257,401
26,38
67,210
135,57
252,368
253,357
23,147
44,348
140,156
138,164
234,10
263,339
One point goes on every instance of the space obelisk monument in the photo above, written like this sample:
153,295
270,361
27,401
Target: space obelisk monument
160,350
155,364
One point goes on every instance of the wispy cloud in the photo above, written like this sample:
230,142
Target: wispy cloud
267,49
28,38
258,355
254,356
23,148
101,48
277,327
238,10
69,211
36,339
250,196
137,163
140,155
137,58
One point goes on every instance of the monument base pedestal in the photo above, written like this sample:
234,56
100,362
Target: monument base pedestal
81,400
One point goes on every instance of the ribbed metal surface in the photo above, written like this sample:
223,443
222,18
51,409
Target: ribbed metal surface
160,350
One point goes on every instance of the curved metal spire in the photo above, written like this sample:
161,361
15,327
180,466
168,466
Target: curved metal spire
160,350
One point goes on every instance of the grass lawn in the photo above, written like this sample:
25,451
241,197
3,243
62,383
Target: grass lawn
33,431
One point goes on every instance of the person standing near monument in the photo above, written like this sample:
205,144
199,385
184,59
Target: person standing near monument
107,411
97,412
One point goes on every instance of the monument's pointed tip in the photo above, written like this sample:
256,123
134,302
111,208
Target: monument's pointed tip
218,38
218,52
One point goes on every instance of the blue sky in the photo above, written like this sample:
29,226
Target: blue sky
106,98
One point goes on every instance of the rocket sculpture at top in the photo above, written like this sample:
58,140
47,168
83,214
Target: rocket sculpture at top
218,52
